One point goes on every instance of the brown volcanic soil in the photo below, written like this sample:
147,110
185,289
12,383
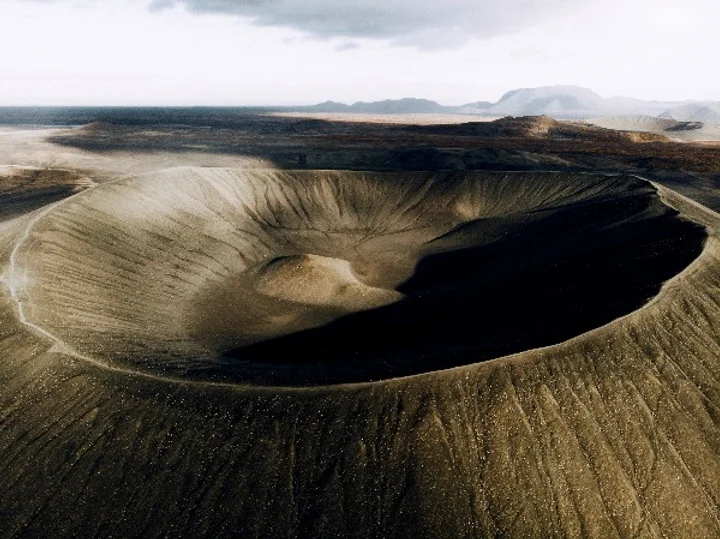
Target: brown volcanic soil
107,429
358,144
23,189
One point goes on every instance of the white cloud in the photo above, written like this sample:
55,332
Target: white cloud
347,46
87,52
423,23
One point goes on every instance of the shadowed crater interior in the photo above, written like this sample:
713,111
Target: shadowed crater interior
310,278
559,276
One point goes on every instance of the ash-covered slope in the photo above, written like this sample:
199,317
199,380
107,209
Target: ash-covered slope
674,129
613,433
651,124
23,189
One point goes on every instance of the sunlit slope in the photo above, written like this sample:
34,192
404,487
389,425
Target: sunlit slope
613,433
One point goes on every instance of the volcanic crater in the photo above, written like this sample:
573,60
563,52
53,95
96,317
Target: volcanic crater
307,278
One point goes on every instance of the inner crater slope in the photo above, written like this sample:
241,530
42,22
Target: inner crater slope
315,277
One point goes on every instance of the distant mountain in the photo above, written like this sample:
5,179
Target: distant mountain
556,101
574,102
329,106
401,106
552,101
389,106
478,107
708,113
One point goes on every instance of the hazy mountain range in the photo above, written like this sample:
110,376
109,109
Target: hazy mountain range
554,101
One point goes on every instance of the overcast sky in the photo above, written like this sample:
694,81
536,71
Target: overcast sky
283,52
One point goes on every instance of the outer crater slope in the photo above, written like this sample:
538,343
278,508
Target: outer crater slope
148,324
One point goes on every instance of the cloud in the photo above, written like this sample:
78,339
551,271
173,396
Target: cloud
347,46
430,24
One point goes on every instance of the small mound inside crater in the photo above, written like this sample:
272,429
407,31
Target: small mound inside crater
286,295
309,278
